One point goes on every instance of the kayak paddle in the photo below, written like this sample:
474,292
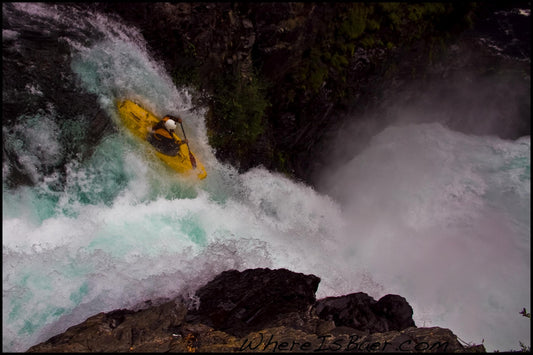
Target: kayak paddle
191,157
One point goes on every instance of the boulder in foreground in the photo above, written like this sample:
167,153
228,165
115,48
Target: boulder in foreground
259,310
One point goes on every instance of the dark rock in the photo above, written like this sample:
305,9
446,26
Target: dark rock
362,312
120,330
413,339
235,301
396,310
270,310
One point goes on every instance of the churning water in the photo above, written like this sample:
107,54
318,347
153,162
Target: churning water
437,216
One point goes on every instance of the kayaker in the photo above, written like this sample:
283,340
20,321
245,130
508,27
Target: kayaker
162,138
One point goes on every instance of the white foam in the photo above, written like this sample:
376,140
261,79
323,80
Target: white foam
524,12
8,35
422,212
423,206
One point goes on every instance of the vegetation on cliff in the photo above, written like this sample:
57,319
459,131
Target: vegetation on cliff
278,76
270,71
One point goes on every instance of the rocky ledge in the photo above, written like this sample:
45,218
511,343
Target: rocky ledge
259,310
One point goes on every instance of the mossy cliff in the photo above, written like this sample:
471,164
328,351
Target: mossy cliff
278,77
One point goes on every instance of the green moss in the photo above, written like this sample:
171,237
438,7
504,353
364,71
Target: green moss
339,62
389,7
282,163
336,44
371,41
238,106
188,71
354,22
313,71
373,25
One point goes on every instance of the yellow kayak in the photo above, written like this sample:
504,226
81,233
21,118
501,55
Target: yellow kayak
138,120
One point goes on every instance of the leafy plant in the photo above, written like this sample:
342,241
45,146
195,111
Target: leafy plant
523,347
238,108
525,313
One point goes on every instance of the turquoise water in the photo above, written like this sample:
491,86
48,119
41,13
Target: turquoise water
439,217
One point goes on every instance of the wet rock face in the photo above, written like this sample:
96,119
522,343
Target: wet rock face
121,330
259,310
397,312
238,301
362,312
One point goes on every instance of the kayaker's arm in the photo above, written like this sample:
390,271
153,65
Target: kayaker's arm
178,140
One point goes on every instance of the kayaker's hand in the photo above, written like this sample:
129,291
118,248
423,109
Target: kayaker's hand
179,119
185,141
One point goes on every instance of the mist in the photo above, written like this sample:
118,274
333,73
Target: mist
434,187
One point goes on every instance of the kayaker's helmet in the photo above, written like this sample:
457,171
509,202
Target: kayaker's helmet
170,125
